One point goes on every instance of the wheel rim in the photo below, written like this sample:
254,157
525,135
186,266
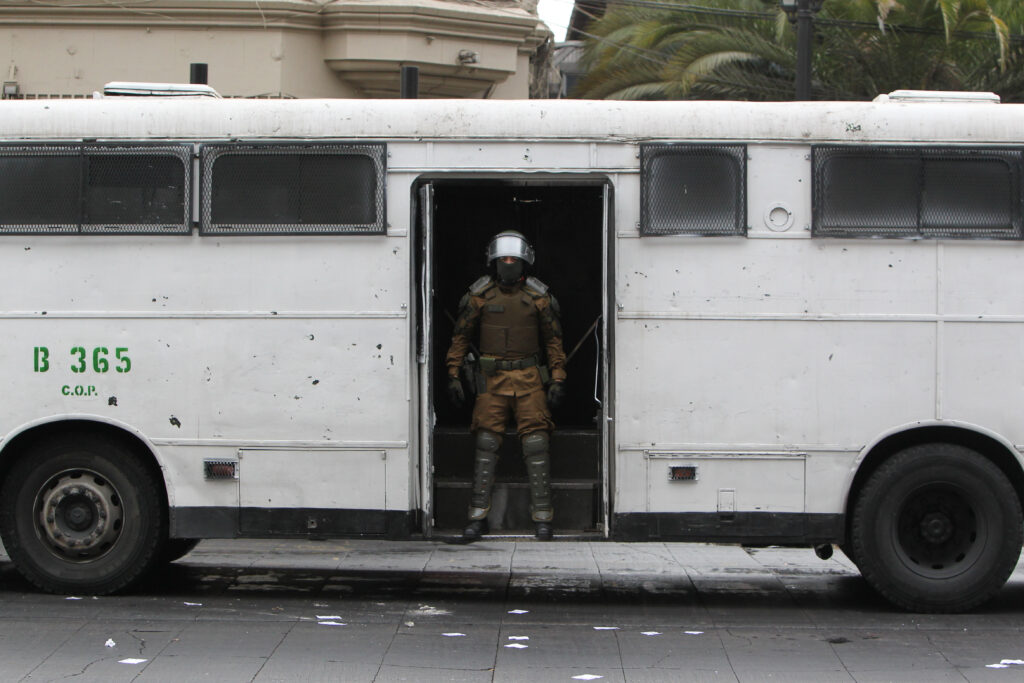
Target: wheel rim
79,515
940,531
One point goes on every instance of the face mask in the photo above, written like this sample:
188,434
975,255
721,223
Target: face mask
509,273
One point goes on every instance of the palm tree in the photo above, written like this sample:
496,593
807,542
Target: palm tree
745,49
667,51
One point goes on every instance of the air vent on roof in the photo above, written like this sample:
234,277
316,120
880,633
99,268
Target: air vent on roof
939,96
127,89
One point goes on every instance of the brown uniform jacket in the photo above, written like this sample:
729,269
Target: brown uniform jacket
540,309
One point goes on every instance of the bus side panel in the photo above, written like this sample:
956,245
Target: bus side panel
759,349
980,380
206,345
771,384
321,380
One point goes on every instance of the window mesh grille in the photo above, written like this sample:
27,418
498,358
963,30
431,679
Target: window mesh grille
40,189
123,189
917,192
693,189
138,190
291,189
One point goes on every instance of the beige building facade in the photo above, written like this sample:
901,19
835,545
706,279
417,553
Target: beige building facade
275,48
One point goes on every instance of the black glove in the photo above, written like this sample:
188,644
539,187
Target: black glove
455,393
556,394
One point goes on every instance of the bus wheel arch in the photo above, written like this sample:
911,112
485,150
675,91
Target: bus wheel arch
936,512
83,506
999,452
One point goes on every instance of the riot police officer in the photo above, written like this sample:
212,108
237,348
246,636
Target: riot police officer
523,364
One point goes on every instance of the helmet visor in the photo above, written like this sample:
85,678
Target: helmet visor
510,245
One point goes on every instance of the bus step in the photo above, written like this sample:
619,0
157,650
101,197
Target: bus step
576,504
521,535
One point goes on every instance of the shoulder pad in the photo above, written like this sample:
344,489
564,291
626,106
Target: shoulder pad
480,286
535,286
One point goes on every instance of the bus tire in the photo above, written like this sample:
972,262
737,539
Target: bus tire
82,515
177,548
937,528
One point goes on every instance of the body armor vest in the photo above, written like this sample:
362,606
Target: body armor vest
508,324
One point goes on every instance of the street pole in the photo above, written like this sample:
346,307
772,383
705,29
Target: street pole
804,24
409,87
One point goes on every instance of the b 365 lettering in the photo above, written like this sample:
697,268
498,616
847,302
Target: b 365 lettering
97,359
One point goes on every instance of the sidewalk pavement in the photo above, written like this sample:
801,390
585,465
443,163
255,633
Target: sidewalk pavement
501,610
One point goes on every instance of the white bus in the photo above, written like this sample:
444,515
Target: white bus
792,323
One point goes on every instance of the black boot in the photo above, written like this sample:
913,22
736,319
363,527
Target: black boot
544,531
474,530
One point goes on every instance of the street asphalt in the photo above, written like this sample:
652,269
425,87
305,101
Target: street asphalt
501,610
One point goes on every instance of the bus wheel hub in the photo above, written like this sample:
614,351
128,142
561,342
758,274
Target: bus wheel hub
936,528
80,515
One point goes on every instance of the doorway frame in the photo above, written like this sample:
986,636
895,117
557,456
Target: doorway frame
423,242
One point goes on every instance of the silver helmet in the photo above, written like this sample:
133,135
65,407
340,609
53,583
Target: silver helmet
509,243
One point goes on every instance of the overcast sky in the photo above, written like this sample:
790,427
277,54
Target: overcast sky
555,13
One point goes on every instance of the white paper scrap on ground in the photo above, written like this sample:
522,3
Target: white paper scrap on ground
517,646
651,633
132,661
693,633
430,611
110,643
519,611
328,617
193,604
519,637
453,635
606,628
587,677
1006,664
331,623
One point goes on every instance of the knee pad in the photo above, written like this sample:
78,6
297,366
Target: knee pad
488,441
535,443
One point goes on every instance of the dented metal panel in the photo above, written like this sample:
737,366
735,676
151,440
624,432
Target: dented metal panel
728,483
286,478
207,344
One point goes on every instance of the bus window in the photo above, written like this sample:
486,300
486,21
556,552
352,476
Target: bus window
130,191
968,196
39,190
913,192
693,189
95,189
286,189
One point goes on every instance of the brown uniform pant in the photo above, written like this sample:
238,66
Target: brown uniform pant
492,412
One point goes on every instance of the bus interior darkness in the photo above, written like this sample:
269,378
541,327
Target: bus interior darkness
564,224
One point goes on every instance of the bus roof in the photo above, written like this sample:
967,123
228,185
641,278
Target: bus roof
209,118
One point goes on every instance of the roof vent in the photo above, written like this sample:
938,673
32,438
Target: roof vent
127,89
939,96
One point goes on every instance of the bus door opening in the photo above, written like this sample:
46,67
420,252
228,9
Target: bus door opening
565,224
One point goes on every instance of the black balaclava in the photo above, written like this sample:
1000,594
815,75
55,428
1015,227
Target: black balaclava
509,273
